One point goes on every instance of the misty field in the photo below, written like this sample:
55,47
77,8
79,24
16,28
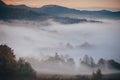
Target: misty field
62,52
59,41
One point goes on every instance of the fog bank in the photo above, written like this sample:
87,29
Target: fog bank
33,39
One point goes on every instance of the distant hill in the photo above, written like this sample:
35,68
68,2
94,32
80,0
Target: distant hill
8,12
57,10
2,4
54,12
22,12
63,11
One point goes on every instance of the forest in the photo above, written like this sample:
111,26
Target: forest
13,69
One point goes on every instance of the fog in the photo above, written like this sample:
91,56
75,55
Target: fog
38,40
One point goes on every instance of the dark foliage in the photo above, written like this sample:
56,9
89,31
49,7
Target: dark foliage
97,75
8,64
114,64
25,69
10,68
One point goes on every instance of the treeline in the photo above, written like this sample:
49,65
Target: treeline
102,63
10,68
67,61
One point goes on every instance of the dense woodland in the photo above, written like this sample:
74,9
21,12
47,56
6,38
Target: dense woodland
12,69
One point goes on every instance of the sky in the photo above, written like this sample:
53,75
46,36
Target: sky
78,4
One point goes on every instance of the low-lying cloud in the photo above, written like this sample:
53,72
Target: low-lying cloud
33,39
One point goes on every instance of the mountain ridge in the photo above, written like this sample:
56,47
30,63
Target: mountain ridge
57,10
22,12
57,13
60,11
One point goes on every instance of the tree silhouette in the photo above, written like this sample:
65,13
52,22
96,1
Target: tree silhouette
93,76
102,63
71,62
92,63
8,64
25,68
97,75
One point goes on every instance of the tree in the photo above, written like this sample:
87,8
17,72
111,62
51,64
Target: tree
25,69
102,63
57,56
114,64
70,62
92,63
86,59
11,69
8,64
93,76
97,75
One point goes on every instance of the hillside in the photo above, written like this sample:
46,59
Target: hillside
22,12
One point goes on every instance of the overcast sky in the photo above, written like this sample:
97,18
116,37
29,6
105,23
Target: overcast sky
79,4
